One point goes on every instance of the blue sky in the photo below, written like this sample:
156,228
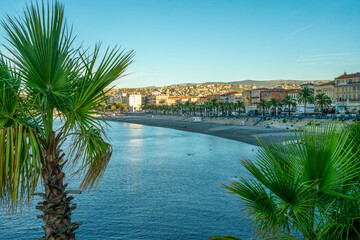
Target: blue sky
181,41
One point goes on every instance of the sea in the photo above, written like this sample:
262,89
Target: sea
160,184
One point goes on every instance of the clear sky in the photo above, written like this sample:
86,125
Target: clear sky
181,41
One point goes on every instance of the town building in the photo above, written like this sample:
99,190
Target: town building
134,102
256,95
172,100
194,99
210,97
182,100
327,88
293,94
347,88
201,101
307,85
157,99
230,97
246,97
277,93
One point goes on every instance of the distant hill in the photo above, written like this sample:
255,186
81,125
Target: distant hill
262,83
268,83
272,83
258,83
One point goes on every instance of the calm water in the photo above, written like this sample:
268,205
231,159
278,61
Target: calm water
160,184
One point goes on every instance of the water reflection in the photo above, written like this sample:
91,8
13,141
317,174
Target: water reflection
160,184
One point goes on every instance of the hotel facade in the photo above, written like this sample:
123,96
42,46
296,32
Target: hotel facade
347,88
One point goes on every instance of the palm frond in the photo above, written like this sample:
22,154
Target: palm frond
292,185
90,142
40,45
20,165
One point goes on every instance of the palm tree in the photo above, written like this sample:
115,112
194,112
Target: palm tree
307,186
305,96
322,100
274,103
187,106
59,81
290,102
208,108
214,104
263,104
240,106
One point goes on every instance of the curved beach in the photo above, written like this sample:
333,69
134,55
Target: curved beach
246,134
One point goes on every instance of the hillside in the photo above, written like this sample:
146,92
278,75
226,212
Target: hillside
204,89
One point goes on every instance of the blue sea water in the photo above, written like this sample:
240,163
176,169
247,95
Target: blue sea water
160,184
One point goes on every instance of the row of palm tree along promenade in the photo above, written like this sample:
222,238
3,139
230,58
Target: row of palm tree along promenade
338,98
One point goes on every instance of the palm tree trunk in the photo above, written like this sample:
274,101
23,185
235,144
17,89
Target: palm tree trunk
305,108
57,206
289,110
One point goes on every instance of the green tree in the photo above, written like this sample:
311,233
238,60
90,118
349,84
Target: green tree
290,102
322,100
305,96
263,104
274,103
60,80
309,186
215,105
240,106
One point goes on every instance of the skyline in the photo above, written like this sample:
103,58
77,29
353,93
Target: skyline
219,41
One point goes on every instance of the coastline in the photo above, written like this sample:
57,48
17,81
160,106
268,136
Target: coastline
245,134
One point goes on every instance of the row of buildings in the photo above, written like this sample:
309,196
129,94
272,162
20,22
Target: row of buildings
343,91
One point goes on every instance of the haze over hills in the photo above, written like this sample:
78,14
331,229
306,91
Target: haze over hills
272,83
204,89
260,83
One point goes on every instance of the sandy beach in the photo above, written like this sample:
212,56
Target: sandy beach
246,134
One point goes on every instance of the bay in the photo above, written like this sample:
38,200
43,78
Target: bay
160,184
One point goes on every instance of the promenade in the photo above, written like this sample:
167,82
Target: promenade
246,134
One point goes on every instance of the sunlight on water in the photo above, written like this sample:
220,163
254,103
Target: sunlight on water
160,184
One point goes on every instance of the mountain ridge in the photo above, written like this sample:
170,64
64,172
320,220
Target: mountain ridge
262,83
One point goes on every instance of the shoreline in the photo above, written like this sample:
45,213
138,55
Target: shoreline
245,134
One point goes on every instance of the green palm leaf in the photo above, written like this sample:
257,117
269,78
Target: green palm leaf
293,186
46,77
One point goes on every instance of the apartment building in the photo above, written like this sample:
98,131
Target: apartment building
202,101
209,98
134,102
172,100
277,93
246,96
230,97
194,99
307,85
182,99
157,99
347,88
293,93
327,88
256,95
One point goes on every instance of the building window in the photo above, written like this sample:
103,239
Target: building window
354,88
354,97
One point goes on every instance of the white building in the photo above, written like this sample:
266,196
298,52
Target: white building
300,109
230,97
134,102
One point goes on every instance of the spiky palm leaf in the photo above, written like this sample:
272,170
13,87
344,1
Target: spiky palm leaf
294,186
54,77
